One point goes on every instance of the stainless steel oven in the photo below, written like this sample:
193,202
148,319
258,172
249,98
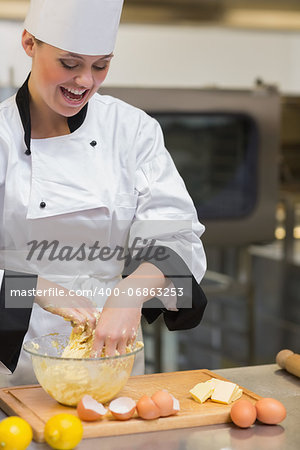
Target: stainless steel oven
225,145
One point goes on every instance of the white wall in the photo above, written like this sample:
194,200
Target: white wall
182,56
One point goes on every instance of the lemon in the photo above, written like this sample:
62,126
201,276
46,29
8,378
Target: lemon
63,431
15,433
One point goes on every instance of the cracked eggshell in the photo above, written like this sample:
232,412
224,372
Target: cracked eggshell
164,401
122,408
88,409
176,405
147,409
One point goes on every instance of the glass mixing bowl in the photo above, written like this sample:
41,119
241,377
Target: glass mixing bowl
68,379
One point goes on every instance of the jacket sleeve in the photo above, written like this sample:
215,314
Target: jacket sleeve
166,232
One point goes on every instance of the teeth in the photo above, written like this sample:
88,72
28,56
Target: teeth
76,91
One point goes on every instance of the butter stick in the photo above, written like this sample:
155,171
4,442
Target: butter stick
224,392
217,390
202,391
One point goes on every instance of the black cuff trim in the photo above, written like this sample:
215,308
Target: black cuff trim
187,318
191,304
14,321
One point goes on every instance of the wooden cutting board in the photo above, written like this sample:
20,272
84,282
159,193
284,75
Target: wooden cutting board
33,404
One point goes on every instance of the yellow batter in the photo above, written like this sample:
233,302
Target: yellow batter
80,346
67,380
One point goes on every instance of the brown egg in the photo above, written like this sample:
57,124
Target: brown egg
122,408
270,411
164,401
243,413
89,409
147,409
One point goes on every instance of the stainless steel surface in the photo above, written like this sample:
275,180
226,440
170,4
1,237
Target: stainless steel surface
266,380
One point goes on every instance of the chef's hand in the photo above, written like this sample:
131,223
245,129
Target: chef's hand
80,311
121,315
116,328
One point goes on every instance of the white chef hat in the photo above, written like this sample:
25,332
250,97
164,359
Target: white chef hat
87,27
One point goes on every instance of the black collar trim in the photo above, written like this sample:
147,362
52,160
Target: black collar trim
23,99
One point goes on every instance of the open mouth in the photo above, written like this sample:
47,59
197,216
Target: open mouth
74,96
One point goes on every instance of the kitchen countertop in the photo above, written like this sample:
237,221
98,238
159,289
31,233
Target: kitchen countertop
265,380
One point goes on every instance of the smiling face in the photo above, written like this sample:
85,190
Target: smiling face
63,81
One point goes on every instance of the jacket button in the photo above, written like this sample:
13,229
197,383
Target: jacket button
93,143
28,152
42,205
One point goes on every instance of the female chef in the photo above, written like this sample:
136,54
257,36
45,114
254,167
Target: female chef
90,199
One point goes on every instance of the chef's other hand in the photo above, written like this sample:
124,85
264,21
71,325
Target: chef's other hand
121,316
116,328
80,311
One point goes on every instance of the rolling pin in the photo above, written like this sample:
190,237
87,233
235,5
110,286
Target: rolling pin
289,361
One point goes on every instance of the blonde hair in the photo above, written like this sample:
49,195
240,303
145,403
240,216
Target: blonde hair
38,42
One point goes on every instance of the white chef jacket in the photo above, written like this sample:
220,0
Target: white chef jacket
111,181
